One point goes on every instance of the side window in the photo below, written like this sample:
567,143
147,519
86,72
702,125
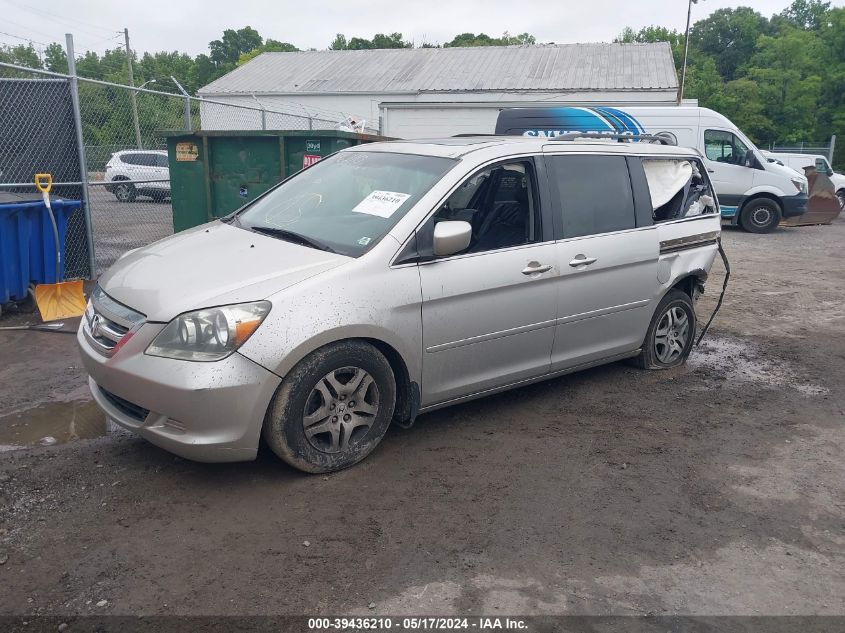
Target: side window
594,192
501,205
822,167
677,188
160,160
724,147
130,159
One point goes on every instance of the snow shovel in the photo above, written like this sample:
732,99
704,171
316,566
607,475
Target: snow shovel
63,299
43,327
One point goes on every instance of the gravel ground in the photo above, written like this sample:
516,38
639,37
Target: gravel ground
716,488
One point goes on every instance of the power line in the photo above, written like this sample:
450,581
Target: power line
41,13
25,39
26,28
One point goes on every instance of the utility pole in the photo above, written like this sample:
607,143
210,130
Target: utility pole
686,51
132,94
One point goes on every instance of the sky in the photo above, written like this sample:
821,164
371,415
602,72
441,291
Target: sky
188,25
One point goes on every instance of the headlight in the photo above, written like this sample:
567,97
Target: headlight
210,334
800,185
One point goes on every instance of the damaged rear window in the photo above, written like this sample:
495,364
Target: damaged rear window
678,189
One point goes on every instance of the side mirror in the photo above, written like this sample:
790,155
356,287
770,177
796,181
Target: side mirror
750,161
451,237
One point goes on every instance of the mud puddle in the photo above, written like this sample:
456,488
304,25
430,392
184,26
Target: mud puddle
739,361
52,423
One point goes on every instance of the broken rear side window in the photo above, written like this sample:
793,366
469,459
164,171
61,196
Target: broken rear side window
678,189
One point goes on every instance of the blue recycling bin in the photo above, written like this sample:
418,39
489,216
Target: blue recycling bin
27,247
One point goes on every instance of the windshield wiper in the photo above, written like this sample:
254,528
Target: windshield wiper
291,236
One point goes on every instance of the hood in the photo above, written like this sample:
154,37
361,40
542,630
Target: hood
210,265
782,170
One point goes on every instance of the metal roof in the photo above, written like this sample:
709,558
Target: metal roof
549,67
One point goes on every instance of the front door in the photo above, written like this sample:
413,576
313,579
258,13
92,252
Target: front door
488,313
724,158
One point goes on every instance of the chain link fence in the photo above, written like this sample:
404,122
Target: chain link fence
121,170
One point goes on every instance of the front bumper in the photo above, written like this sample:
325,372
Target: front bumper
795,205
208,412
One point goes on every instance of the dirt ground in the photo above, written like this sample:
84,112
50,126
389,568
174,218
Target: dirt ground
717,488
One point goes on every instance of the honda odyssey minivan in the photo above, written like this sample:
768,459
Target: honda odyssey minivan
396,278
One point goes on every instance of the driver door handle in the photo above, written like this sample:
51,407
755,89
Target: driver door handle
581,260
536,267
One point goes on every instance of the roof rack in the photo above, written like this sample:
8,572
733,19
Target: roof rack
620,138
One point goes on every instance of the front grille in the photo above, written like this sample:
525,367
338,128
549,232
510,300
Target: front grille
107,321
131,409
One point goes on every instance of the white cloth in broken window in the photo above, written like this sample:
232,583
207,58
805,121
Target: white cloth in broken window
665,179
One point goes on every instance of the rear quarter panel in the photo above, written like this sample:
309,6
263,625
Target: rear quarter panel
679,260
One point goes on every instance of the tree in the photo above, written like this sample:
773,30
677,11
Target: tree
226,51
804,14
394,40
20,55
482,39
339,43
743,100
55,58
729,36
269,46
787,70
359,44
651,34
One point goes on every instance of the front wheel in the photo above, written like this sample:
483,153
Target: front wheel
760,216
840,195
333,408
671,333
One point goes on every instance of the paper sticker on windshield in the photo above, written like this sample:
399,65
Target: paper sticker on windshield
381,203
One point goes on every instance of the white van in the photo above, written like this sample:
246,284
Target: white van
799,162
753,193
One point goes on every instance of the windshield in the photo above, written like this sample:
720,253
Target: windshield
347,202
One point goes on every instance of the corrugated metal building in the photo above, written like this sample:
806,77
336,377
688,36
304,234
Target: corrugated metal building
420,92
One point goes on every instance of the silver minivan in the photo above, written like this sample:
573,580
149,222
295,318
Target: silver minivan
396,278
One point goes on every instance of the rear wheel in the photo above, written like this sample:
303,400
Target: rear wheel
670,335
760,216
333,408
124,191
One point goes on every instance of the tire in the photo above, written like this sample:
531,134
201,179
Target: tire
760,216
655,351
314,422
124,191
840,195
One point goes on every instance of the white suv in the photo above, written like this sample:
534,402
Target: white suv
138,173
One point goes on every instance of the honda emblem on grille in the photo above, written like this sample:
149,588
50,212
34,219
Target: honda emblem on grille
95,325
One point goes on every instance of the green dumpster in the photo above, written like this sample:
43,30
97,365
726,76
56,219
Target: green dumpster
214,172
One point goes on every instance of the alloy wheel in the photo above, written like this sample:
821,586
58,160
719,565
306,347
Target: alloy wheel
671,335
340,410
